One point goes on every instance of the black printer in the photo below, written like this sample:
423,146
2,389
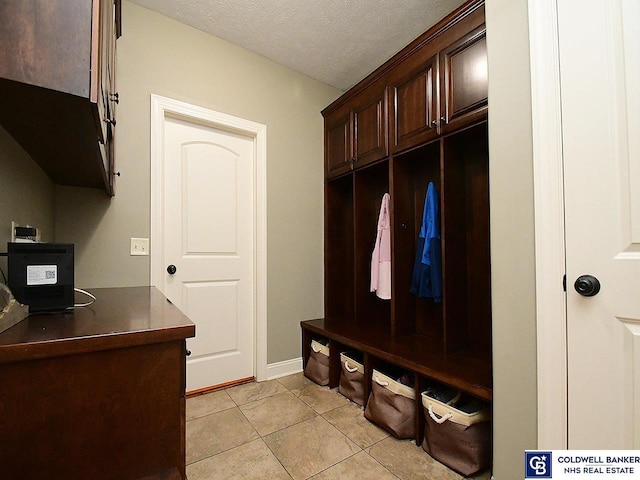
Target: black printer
41,275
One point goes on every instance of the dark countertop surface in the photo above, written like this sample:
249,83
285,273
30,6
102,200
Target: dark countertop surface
119,318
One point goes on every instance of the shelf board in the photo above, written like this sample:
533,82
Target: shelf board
468,371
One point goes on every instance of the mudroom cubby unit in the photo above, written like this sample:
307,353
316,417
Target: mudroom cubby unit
436,126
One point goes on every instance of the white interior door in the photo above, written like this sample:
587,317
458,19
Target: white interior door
208,244
600,88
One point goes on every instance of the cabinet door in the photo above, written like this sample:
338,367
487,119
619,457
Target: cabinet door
106,80
370,127
338,143
109,97
107,60
103,50
464,81
414,103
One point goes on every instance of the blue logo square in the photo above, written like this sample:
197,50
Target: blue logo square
537,464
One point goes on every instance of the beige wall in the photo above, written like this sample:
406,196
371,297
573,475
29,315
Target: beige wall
26,194
161,56
512,249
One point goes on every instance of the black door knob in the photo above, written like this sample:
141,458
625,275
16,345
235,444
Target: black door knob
171,269
587,285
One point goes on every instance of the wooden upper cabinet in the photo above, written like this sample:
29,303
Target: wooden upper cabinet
338,142
414,101
103,87
57,82
356,134
370,127
464,80
440,84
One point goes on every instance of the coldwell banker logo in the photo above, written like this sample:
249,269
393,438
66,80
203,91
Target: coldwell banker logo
537,464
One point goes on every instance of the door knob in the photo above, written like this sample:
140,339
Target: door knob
587,285
171,269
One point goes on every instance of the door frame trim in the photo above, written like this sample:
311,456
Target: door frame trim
548,177
161,107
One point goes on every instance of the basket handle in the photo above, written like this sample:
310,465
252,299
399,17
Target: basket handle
346,366
313,347
380,382
440,420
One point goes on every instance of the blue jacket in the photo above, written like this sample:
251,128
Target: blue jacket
427,267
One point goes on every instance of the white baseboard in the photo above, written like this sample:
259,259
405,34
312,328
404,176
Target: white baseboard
282,369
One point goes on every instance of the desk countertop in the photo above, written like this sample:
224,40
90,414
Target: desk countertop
119,318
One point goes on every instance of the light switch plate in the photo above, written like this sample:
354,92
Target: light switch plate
139,246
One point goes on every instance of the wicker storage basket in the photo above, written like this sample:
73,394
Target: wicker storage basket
457,435
351,378
392,406
317,368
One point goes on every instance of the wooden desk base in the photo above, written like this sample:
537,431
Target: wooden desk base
106,404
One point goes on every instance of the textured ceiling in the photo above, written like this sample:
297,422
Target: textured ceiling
337,42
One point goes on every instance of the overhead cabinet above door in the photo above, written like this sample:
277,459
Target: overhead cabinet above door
57,84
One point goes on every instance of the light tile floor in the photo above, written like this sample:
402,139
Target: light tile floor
291,428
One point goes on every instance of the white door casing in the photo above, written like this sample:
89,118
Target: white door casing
213,230
599,104
548,185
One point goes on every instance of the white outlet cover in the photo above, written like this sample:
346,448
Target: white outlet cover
139,246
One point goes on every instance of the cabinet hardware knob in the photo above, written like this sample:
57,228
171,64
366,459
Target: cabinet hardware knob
587,285
443,120
434,122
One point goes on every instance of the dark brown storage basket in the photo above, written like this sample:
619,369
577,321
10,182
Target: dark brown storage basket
392,406
351,378
460,440
317,368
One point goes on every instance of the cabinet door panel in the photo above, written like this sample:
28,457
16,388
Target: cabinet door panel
464,67
338,144
370,127
415,106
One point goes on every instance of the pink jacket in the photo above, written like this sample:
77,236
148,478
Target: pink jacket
381,257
